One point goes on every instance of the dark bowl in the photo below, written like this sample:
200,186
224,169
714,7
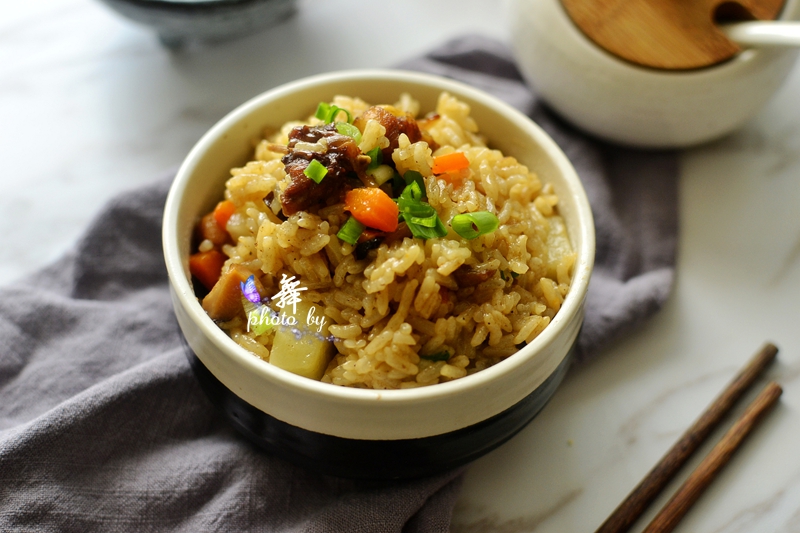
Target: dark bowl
178,22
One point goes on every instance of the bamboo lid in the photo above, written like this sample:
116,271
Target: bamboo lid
666,34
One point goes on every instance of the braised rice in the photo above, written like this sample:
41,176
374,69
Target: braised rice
403,301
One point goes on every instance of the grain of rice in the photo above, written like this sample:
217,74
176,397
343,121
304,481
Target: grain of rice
452,372
374,136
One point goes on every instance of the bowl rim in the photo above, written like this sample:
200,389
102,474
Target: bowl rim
182,290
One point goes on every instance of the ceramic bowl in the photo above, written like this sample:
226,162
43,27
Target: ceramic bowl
178,22
633,105
357,432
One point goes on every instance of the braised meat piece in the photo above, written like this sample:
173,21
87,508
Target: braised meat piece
339,154
394,124
399,234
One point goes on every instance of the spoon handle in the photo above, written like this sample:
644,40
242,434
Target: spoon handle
758,34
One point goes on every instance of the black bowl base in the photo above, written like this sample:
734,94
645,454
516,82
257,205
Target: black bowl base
375,459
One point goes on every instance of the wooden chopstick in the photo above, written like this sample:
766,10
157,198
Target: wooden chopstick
654,482
683,499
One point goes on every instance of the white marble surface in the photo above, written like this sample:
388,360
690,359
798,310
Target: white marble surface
92,105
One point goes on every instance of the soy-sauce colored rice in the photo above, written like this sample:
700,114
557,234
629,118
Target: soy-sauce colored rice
397,311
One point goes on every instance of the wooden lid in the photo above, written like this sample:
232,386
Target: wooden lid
666,34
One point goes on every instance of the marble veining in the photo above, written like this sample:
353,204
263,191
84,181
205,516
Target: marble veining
789,261
493,523
629,430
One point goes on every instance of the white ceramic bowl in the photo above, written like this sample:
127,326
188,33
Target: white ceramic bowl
622,102
338,429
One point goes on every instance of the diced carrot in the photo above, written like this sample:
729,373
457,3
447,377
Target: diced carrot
207,266
210,229
449,162
223,212
373,208
224,302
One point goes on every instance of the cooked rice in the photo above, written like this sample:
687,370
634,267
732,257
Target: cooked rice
402,301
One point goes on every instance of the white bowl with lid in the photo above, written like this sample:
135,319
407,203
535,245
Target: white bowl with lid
351,432
626,103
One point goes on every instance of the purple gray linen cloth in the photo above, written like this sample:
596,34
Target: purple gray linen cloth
103,427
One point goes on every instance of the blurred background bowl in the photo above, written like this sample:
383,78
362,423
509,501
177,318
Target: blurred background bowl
179,22
358,432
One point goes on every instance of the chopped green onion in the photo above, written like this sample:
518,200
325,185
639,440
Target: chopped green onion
327,112
413,176
348,129
375,158
412,194
422,232
397,184
381,174
351,231
439,230
428,222
257,317
315,171
323,111
335,111
438,356
410,202
258,320
472,225
421,217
